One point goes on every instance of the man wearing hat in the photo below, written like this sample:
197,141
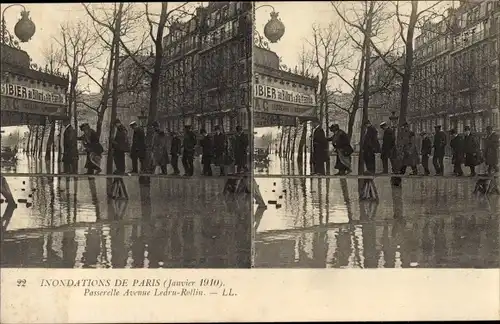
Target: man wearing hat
388,146
439,150
457,149
371,146
220,145
472,151
138,147
425,151
319,149
69,146
240,150
120,145
491,150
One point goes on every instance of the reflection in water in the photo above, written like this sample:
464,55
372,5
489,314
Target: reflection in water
166,223
425,223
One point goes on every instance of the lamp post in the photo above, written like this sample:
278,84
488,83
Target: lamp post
24,28
273,30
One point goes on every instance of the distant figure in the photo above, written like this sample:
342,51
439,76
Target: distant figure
93,147
457,148
220,146
207,153
439,150
410,153
70,154
471,150
240,150
426,150
342,146
491,150
120,146
189,145
175,151
160,149
138,148
371,146
319,150
388,146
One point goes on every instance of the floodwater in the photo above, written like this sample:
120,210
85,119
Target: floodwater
427,223
71,223
29,164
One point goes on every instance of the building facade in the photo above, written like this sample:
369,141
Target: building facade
206,70
456,71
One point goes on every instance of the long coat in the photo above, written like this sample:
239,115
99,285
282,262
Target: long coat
439,143
206,148
189,142
240,148
471,150
220,146
410,152
491,149
175,147
120,141
70,145
320,145
138,147
160,149
370,141
426,148
388,143
457,147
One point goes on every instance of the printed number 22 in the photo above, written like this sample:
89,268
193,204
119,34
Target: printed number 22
21,282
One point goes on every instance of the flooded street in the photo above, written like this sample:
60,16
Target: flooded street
428,223
67,222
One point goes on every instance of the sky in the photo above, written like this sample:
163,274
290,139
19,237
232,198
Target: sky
298,18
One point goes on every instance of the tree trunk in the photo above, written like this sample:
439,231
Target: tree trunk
294,142
280,151
366,84
35,146
30,132
40,149
302,142
59,148
72,103
289,142
50,141
155,85
100,119
115,51
405,85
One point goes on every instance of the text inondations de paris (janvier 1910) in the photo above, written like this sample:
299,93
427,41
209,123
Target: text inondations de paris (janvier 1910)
151,287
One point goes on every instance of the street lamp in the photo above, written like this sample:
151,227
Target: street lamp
273,30
24,28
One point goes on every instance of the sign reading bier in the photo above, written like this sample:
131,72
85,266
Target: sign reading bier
27,93
286,96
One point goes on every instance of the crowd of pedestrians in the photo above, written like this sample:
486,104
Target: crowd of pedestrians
217,149
402,151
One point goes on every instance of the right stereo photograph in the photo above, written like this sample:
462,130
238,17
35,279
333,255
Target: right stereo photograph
376,134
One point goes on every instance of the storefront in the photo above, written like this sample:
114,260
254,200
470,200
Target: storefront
29,96
280,98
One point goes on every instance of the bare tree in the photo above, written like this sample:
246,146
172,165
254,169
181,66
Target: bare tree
53,63
165,20
78,45
362,24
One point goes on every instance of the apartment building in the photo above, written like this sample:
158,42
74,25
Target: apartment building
456,72
207,69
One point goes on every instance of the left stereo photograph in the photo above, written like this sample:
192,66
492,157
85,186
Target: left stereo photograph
126,135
